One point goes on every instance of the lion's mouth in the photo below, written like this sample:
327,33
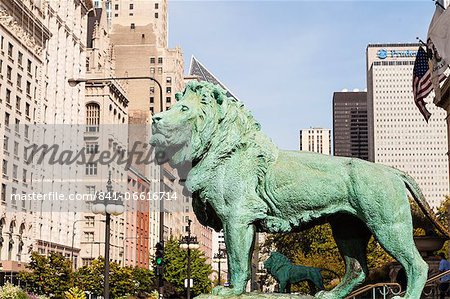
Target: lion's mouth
158,140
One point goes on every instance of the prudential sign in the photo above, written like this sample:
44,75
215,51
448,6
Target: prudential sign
383,54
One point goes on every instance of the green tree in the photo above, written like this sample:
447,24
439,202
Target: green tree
144,280
176,269
123,281
48,275
90,278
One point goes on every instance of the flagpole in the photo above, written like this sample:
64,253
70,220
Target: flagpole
422,42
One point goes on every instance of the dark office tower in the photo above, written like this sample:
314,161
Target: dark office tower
350,126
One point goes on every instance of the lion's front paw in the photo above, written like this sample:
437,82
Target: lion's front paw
325,295
226,292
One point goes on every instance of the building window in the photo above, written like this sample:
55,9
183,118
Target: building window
87,261
92,117
16,148
89,236
28,90
116,7
152,60
19,58
25,154
17,129
160,60
18,103
10,50
156,5
160,70
152,100
132,26
168,80
8,96
89,221
29,66
3,194
169,89
131,5
92,148
9,73
14,174
168,99
26,131
5,143
5,167
91,168
19,80
27,109
24,177
152,90
156,15
90,190
152,70
6,119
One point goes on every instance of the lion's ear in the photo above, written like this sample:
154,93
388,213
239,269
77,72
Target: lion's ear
218,95
178,96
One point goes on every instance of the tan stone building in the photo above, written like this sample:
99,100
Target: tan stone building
42,45
139,35
106,131
21,64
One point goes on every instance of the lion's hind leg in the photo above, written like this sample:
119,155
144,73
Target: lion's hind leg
352,244
396,237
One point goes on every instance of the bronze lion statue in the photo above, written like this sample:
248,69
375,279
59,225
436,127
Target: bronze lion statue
242,183
285,273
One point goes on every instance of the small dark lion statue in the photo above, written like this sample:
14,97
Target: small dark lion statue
285,273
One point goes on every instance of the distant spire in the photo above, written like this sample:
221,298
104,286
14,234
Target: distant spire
199,70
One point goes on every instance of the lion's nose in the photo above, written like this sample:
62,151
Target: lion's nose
156,119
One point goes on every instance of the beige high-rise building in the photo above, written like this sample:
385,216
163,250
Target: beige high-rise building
35,65
316,140
398,134
21,64
62,110
106,110
139,35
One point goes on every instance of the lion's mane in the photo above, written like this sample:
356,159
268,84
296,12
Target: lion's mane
223,127
226,125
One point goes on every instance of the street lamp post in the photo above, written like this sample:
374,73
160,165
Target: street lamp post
189,242
218,257
110,204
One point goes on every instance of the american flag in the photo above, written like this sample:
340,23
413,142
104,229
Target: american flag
422,85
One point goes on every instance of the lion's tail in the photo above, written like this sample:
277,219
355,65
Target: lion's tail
419,198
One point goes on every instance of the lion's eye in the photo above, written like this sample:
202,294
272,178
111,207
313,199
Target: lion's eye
184,108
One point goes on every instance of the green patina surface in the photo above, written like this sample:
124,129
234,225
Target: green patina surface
242,183
256,295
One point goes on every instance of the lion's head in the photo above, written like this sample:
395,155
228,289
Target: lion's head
275,261
203,119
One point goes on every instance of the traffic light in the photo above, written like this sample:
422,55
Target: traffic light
159,254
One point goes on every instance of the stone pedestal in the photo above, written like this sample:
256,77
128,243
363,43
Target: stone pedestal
256,295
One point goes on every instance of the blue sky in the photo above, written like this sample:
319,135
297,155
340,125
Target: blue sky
284,59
